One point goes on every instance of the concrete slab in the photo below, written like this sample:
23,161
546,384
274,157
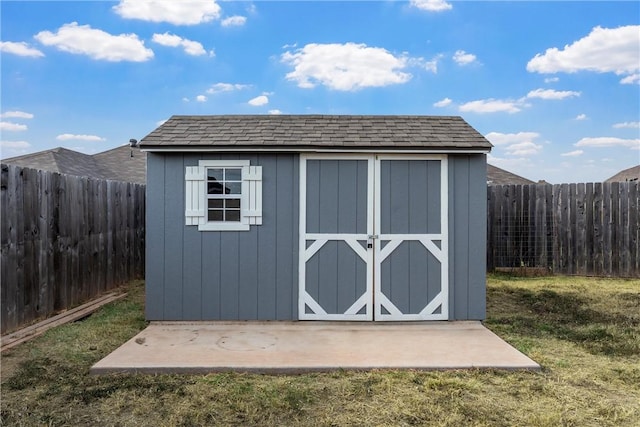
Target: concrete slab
295,347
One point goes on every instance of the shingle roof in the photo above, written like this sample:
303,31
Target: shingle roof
60,160
120,164
631,174
497,176
124,163
316,131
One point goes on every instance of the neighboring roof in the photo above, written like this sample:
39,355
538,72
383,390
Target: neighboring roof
631,174
124,163
58,160
497,176
291,132
120,164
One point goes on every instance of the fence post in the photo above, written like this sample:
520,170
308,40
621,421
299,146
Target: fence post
59,240
586,229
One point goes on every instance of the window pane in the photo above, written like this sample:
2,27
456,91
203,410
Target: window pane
214,187
233,175
232,215
215,215
233,187
215,174
216,203
232,203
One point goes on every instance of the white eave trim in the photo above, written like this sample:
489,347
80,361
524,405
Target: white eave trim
314,150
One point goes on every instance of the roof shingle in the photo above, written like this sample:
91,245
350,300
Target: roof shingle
123,163
316,131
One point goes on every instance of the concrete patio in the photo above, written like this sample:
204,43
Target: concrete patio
296,347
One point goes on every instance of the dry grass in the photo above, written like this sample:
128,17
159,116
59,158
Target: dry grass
585,333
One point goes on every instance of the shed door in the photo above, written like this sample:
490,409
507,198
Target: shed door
411,250
371,238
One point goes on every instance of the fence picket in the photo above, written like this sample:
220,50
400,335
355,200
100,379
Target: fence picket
586,229
58,241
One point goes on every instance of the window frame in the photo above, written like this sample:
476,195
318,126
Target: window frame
222,225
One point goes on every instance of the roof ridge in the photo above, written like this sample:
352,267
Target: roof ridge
316,130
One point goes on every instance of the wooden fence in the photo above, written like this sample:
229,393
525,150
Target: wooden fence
574,229
65,240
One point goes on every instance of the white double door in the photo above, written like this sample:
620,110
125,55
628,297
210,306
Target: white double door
373,237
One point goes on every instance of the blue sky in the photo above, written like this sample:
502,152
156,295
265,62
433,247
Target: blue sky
555,86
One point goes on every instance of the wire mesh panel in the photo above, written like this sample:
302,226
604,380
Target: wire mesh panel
585,229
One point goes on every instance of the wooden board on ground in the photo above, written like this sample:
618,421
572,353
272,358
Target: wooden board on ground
25,334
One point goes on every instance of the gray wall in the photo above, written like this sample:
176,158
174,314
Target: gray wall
194,275
467,236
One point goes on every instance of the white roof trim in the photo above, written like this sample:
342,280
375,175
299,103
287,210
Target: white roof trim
314,150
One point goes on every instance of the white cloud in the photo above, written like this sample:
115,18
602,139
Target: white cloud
12,127
173,12
190,47
552,94
604,50
70,137
463,58
491,106
167,39
632,79
432,65
519,144
345,67
573,153
20,49
581,117
16,115
523,149
161,122
14,144
275,112
97,44
259,101
226,87
201,98
608,141
432,5
497,138
629,125
234,21
551,80
443,103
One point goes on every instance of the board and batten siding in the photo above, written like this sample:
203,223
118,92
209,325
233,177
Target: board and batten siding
407,206
228,275
336,204
467,236
253,275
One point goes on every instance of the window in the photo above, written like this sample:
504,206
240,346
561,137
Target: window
223,195
224,189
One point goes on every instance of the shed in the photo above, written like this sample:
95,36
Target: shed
315,217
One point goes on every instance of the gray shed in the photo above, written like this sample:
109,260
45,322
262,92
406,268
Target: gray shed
309,217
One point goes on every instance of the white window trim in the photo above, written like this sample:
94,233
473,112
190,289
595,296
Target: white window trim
250,198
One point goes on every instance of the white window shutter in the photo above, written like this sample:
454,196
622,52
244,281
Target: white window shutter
252,195
194,208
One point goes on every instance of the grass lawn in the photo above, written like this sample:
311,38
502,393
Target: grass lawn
585,332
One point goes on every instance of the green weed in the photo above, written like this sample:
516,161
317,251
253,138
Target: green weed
584,332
